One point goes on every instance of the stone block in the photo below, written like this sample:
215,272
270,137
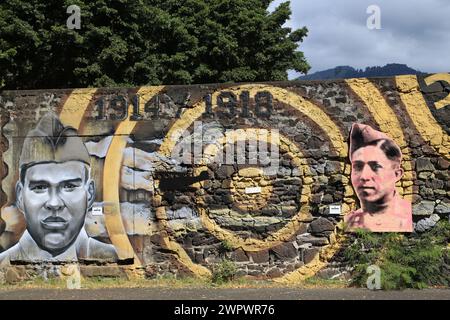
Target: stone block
424,164
332,167
435,184
102,271
424,175
443,164
285,251
424,208
250,172
320,225
225,171
274,273
151,271
261,256
426,223
199,258
12,276
442,208
315,241
309,254
327,198
239,256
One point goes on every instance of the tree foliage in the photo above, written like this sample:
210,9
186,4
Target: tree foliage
145,42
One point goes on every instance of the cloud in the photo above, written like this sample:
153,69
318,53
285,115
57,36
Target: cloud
413,32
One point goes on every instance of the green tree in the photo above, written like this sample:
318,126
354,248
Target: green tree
145,42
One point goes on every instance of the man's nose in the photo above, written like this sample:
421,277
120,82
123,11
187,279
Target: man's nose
366,173
54,202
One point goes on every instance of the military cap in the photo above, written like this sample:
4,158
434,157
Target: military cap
51,141
362,135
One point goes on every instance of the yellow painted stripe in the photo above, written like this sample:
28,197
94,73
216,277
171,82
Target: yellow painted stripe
75,107
173,246
183,257
111,180
111,185
378,107
420,114
439,77
319,262
386,119
72,115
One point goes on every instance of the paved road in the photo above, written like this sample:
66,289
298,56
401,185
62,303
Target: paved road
222,294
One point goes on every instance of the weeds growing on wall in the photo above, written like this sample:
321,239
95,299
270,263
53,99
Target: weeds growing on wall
406,261
224,271
226,246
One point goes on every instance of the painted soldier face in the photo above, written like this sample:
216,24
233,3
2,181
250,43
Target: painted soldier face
373,174
55,198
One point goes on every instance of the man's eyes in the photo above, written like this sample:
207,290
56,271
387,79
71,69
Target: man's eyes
39,188
69,187
375,166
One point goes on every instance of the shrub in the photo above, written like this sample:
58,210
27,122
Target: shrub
224,271
413,261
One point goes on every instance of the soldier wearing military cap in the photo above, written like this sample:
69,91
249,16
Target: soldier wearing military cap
54,192
376,167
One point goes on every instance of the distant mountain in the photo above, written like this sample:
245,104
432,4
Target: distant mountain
346,72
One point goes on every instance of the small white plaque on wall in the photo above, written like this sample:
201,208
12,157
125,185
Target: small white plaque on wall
253,190
335,209
97,211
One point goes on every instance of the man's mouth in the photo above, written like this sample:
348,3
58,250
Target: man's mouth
54,223
366,188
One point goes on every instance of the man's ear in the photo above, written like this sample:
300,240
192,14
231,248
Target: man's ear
19,196
91,194
398,173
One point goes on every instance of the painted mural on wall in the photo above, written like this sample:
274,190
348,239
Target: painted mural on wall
376,168
186,176
54,192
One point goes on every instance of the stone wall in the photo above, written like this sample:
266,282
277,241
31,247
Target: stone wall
167,208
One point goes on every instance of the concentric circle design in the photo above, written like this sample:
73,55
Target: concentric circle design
281,235
310,110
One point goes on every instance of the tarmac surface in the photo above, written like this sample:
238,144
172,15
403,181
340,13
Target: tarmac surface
222,294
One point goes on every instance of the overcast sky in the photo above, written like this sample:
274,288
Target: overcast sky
413,32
